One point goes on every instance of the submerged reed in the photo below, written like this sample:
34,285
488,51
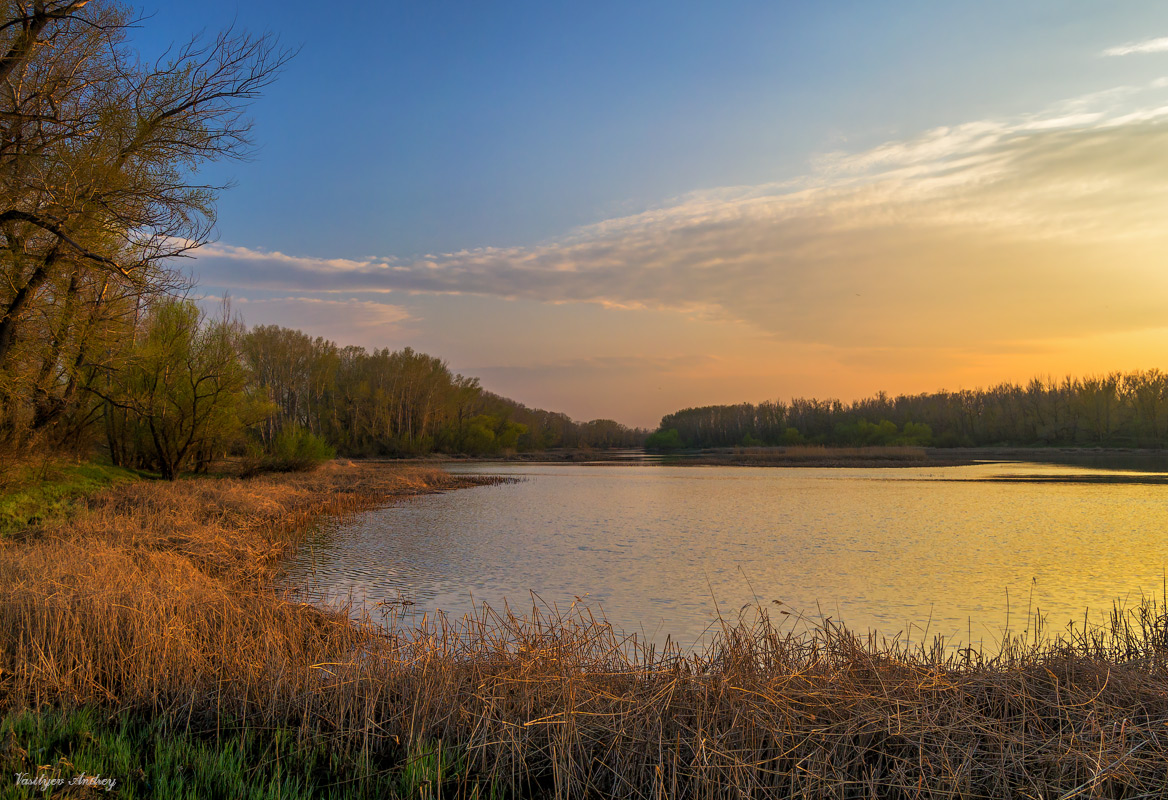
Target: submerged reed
161,600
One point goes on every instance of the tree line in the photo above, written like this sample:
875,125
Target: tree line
387,402
184,388
100,195
1113,410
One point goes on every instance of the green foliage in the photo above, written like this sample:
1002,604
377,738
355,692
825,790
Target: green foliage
508,435
485,434
664,441
296,450
301,449
863,433
34,494
161,758
479,438
952,439
400,402
101,147
428,767
916,434
1113,410
179,397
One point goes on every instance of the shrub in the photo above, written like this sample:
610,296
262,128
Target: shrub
664,440
296,450
952,439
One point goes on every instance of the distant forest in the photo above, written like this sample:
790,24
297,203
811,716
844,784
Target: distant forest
1116,410
400,402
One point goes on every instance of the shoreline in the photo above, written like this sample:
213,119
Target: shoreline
145,638
817,456
184,577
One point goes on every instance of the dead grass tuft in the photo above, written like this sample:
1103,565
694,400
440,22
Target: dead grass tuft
161,598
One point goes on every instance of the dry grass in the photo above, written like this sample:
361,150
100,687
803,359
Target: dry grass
161,599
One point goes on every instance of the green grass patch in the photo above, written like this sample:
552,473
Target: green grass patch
88,753
31,494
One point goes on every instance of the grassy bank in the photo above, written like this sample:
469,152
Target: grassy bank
139,755
34,493
150,615
152,623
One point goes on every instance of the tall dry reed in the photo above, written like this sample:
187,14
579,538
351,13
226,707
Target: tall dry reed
161,598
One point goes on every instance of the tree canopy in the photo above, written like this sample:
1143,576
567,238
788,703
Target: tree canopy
1117,409
100,156
99,191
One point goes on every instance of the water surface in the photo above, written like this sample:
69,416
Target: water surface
664,550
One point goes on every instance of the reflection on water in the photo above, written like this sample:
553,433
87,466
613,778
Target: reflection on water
663,549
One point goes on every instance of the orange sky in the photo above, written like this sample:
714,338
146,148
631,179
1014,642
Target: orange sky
964,256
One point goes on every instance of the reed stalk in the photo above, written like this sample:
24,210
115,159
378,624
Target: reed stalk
163,600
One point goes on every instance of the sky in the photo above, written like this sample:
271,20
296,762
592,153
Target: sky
623,209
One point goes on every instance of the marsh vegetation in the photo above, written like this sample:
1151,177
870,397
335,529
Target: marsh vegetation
144,631
155,611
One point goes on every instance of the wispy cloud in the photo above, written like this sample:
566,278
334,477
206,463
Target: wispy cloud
606,365
1158,45
994,231
340,319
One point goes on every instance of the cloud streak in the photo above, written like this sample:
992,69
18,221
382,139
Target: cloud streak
984,233
1158,45
340,319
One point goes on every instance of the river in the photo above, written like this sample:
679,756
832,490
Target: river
964,552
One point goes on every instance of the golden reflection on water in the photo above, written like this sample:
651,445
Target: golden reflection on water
664,550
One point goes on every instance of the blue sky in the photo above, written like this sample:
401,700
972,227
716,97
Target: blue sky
452,143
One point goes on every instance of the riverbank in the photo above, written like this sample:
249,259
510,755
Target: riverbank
147,637
148,616
817,456
825,456
45,492
882,457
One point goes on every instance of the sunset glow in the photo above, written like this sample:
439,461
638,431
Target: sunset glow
921,246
